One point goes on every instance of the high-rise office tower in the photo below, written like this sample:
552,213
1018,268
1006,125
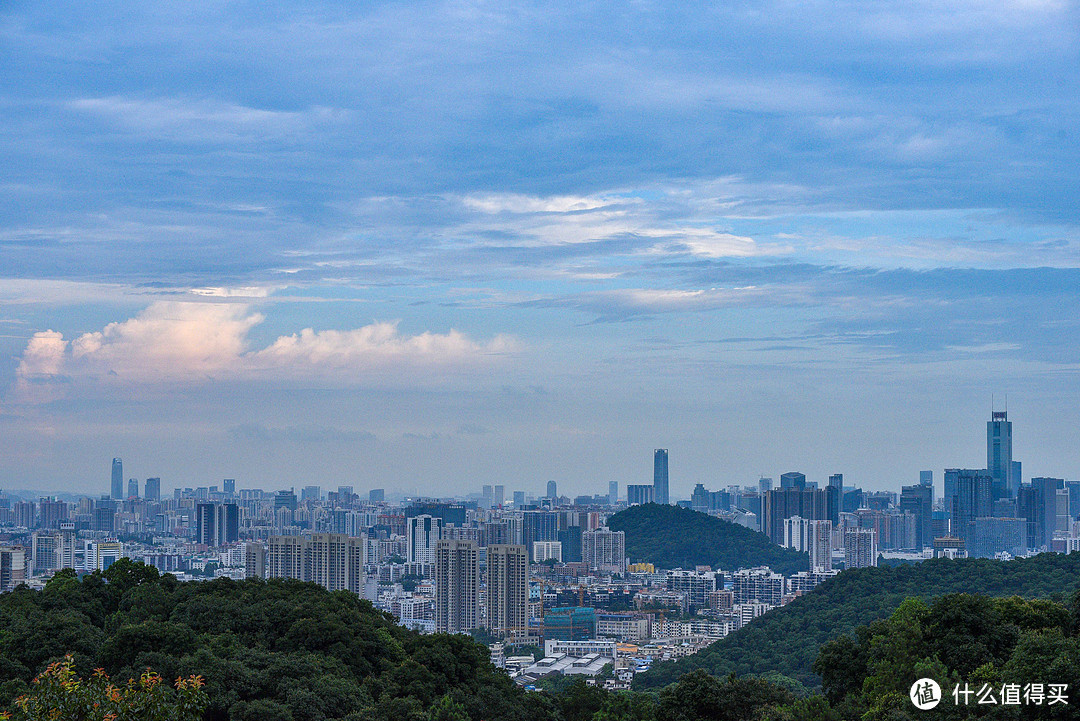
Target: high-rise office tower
660,476
794,479
423,533
552,489
487,496
919,501
217,524
377,495
764,485
639,494
310,493
926,478
117,478
973,499
539,526
999,454
499,498
612,492
835,491
1051,509
507,599
204,524
153,489
519,499
814,504
457,586
230,486
133,488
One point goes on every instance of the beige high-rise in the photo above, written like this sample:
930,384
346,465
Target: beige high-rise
507,602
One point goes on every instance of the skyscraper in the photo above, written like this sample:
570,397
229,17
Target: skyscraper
217,524
604,550
117,479
133,488
794,479
499,499
660,476
999,454
819,545
423,532
973,499
457,586
815,504
507,600
860,548
552,490
153,489
919,501
230,486
539,526
332,560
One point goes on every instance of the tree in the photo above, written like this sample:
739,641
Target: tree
59,693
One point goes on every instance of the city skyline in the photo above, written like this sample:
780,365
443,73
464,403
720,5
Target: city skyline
435,244
997,428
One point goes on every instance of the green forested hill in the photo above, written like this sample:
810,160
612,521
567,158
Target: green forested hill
269,651
674,537
786,640
289,651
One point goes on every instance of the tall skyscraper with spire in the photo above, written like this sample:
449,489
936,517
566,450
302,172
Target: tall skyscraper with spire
999,454
660,476
117,478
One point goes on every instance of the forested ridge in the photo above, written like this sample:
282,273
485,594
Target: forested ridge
786,640
270,651
674,537
289,651
283,650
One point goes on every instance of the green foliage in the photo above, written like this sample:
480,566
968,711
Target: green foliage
958,639
700,697
59,693
268,650
787,640
675,537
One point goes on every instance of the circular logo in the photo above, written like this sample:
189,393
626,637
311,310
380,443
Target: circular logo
925,694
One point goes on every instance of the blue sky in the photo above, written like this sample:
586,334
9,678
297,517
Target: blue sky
432,245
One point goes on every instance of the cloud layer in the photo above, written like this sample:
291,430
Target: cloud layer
190,342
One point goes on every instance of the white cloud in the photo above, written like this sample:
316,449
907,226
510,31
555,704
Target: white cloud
375,343
174,341
169,339
517,203
43,356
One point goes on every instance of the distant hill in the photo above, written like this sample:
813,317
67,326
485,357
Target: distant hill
674,537
786,640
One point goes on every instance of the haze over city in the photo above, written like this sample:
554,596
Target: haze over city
438,245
